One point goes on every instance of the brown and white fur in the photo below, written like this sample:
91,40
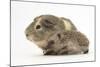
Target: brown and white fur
45,26
67,43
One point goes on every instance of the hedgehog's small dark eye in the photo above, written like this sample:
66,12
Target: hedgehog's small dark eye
38,27
51,42
59,36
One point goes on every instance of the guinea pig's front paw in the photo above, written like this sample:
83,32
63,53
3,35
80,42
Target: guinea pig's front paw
50,52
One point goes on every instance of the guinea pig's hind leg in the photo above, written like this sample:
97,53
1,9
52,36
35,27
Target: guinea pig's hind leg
85,49
85,52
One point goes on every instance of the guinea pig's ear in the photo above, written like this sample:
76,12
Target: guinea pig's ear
36,18
48,23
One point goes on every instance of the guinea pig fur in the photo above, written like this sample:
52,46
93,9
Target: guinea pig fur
43,26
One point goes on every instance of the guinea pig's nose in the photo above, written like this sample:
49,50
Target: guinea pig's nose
27,35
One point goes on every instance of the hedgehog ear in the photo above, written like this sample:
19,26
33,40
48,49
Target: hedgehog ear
48,23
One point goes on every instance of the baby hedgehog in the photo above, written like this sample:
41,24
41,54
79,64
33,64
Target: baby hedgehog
67,43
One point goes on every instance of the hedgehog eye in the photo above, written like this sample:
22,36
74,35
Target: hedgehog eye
51,42
59,36
38,27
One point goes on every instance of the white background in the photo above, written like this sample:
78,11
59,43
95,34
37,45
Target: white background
23,13
4,35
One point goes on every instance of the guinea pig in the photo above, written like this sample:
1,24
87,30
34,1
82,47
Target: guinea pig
44,26
67,43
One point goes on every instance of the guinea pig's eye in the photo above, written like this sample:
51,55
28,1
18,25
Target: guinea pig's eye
38,27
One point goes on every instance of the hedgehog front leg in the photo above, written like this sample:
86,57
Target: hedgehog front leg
49,52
